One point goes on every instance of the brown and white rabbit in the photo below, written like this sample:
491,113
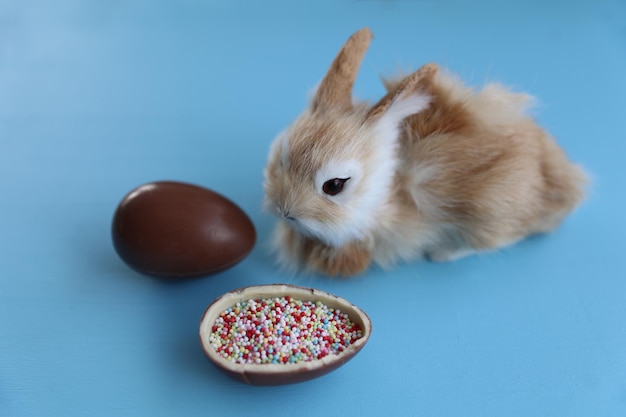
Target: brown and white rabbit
434,169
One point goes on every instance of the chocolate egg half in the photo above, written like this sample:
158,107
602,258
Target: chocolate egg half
178,230
281,373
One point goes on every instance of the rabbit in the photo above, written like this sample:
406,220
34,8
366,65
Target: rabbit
433,170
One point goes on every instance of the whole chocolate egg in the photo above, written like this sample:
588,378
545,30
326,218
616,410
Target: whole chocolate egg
178,230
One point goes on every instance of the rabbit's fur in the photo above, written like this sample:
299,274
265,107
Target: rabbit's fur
433,169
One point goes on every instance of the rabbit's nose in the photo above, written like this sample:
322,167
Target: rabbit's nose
285,213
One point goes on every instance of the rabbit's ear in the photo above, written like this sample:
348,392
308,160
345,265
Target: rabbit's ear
335,90
410,97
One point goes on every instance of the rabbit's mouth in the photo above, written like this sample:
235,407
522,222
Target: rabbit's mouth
297,224
331,235
303,227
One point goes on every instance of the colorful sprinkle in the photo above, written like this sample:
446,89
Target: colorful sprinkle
281,330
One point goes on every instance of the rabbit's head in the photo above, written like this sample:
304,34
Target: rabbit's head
331,172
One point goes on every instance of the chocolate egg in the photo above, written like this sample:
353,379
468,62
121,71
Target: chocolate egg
173,229
281,373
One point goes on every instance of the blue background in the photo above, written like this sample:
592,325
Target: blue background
98,97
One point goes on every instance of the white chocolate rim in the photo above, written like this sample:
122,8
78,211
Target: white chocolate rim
229,299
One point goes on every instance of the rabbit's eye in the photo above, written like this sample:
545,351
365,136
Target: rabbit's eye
334,186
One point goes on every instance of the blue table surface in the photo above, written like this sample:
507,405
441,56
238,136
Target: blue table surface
98,97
